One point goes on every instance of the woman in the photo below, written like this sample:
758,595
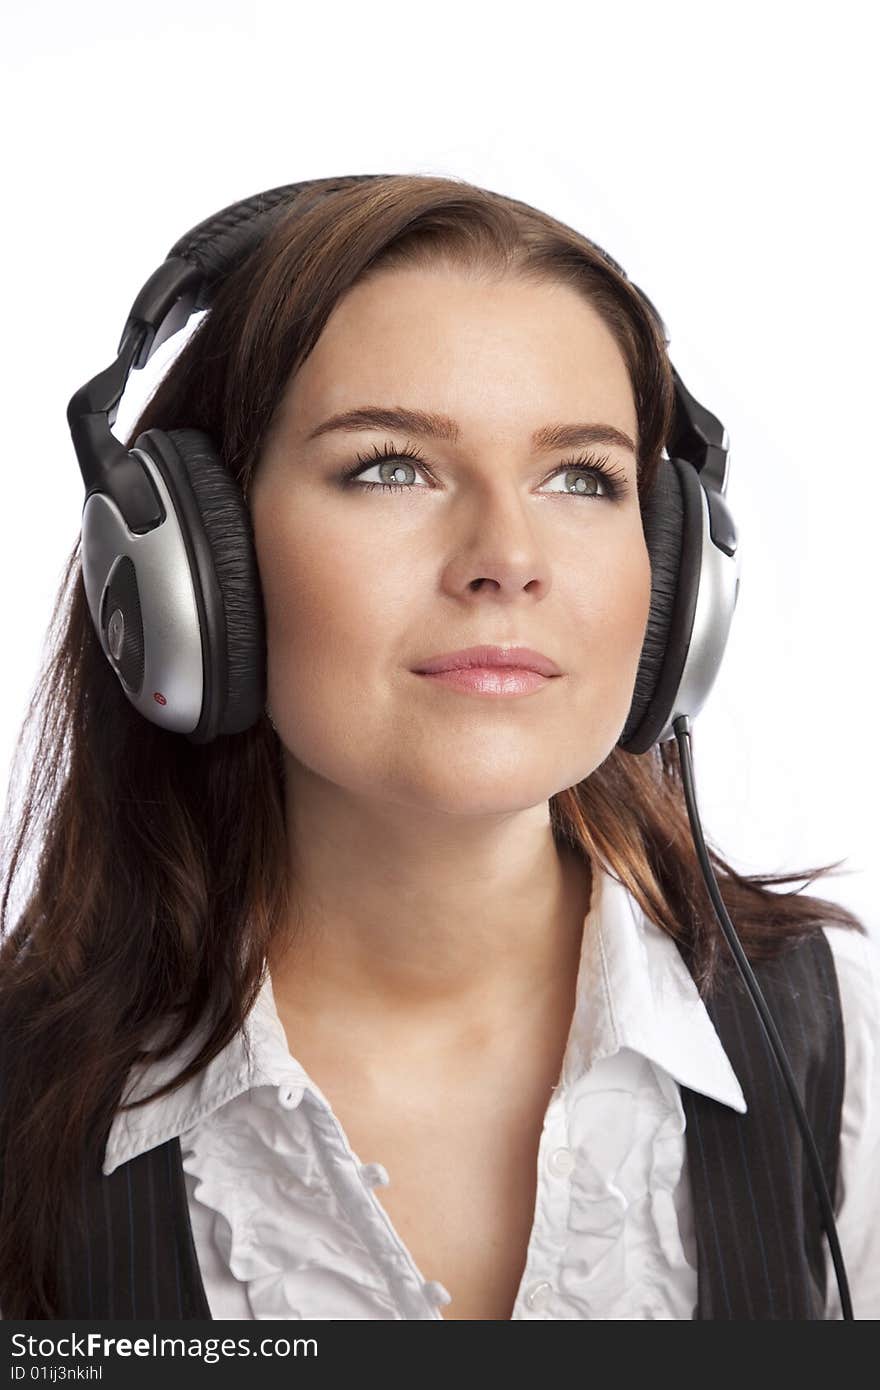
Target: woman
417,969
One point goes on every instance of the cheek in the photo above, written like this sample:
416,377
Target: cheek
330,627
611,611
625,615
613,601
315,595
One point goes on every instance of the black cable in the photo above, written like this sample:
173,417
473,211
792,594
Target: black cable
682,729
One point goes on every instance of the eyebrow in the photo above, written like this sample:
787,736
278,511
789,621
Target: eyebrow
431,425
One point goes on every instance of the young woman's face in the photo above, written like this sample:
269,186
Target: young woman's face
482,543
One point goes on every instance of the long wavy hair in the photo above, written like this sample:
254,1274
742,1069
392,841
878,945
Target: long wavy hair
147,904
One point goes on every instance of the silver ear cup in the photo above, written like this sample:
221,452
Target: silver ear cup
141,597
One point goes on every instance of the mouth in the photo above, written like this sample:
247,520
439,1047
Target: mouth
495,681
489,658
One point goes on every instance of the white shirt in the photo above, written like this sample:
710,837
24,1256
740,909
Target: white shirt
287,1222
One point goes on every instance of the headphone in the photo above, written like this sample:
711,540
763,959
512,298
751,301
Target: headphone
172,583
168,561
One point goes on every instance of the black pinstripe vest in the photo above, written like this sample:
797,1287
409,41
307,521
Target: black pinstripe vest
760,1247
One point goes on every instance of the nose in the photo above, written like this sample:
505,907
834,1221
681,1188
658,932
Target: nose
496,547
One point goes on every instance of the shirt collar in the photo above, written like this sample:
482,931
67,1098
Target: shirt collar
633,990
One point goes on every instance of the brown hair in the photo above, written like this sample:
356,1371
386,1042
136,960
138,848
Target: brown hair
148,904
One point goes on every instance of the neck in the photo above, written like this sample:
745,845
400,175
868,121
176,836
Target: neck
401,932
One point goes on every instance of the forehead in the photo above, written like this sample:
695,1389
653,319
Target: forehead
445,340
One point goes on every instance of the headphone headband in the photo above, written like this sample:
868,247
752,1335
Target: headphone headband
208,253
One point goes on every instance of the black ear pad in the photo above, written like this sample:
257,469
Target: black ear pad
663,513
218,533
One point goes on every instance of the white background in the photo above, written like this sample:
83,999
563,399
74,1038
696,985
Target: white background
726,156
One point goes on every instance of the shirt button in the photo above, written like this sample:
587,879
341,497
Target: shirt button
374,1175
539,1295
289,1095
562,1161
435,1292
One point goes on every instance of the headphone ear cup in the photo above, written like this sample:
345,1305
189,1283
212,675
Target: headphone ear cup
227,584
179,607
693,546
663,514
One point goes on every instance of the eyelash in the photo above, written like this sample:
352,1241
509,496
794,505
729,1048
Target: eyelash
613,479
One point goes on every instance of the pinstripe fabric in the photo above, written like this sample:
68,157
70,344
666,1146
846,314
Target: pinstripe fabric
760,1245
756,1218
139,1260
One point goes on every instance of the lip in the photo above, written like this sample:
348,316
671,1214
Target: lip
495,681
490,659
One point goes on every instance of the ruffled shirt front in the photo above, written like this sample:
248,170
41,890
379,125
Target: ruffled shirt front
288,1224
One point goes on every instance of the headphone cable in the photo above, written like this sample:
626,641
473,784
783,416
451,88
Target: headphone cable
682,729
